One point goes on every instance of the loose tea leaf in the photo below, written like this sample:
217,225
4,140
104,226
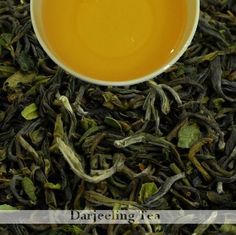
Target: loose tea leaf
29,188
7,207
228,228
30,112
188,135
147,190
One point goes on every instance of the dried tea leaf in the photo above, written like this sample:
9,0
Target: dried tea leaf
3,170
30,112
112,101
113,123
5,69
16,79
47,166
218,102
59,129
188,135
74,161
165,187
25,62
36,136
6,207
52,186
64,102
228,228
72,229
147,190
87,123
5,41
2,154
29,188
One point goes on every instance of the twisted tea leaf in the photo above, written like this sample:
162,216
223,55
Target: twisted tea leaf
148,138
164,189
192,158
76,166
147,190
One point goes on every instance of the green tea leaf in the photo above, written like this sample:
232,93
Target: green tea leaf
29,188
58,128
16,79
147,190
25,61
113,123
5,40
7,207
2,154
218,103
30,112
112,101
228,228
188,135
7,69
87,123
52,186
73,229
36,136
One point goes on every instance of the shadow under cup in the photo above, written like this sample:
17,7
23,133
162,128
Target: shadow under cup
192,17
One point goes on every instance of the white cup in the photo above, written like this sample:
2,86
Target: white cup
192,22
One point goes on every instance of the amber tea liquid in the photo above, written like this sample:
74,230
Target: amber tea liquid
114,40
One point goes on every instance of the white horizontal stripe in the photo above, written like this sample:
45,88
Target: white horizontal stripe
117,217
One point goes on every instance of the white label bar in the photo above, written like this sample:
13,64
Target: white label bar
117,217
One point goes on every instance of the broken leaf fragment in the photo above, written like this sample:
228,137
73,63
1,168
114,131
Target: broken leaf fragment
29,188
147,190
6,207
30,112
188,135
53,186
18,78
228,228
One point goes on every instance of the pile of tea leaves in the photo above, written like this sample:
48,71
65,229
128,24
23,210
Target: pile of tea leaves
169,143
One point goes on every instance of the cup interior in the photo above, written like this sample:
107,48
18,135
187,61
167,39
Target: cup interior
193,11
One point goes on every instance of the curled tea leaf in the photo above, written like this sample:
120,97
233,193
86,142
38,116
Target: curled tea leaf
36,136
112,101
87,123
113,123
74,161
165,104
18,78
150,139
100,199
163,189
29,188
194,149
64,102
